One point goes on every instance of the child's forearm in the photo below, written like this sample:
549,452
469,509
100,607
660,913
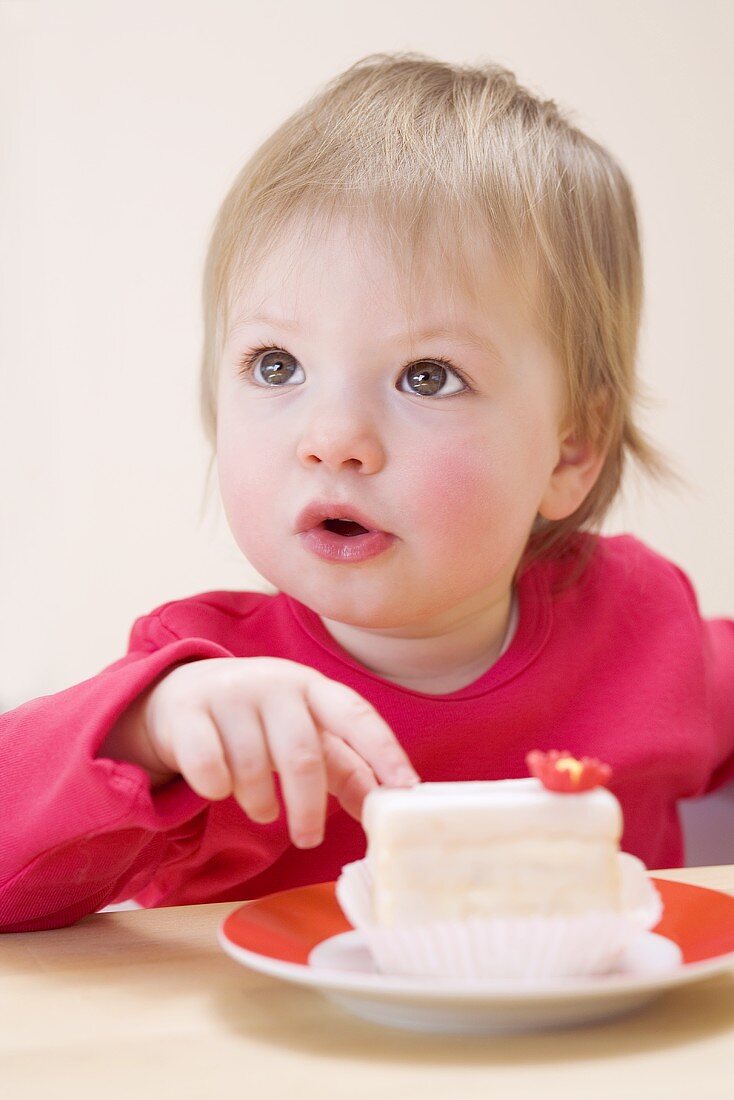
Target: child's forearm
127,740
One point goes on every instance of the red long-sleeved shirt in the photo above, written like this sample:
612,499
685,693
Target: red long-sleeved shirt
620,665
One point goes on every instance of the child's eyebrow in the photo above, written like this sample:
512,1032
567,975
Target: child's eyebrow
263,318
437,332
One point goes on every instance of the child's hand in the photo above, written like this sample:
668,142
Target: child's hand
226,724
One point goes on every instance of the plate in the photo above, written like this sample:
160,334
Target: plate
302,936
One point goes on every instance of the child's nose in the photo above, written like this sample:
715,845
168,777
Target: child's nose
342,439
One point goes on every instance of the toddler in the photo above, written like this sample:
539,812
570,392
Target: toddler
421,302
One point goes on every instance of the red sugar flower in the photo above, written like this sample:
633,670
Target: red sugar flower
559,771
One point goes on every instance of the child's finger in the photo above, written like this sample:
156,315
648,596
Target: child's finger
351,717
199,755
350,779
249,761
297,753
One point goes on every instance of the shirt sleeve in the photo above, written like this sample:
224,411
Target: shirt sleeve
717,646
77,831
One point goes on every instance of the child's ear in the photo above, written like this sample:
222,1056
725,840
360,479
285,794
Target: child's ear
573,478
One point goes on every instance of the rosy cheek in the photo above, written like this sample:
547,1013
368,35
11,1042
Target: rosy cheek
247,473
454,490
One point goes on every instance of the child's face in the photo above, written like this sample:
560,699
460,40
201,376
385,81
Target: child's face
458,479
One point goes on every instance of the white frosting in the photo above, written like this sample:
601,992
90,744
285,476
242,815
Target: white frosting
499,807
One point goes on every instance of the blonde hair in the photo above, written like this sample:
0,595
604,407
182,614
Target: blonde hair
426,151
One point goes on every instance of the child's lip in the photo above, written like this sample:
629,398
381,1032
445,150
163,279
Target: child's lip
317,511
331,546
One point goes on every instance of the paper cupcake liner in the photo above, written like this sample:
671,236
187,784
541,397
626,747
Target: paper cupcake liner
524,948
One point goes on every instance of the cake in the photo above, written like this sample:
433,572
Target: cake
509,877
448,851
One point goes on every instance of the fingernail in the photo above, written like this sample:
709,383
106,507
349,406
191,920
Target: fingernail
407,777
308,840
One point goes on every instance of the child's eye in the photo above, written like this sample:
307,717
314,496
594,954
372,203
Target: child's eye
429,375
277,368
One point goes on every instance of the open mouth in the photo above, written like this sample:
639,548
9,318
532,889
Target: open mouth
341,540
345,527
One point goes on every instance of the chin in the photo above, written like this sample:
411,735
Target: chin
370,605
373,610
354,595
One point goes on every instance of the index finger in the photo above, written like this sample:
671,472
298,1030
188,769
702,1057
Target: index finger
348,715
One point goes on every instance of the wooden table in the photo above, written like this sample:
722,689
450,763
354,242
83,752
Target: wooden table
141,1003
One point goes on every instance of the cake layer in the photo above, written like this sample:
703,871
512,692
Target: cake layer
486,848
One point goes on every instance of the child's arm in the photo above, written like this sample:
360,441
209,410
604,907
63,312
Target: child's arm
95,803
77,829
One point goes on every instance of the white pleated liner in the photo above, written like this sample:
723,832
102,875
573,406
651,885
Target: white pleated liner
526,948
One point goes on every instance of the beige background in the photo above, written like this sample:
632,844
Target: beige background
122,127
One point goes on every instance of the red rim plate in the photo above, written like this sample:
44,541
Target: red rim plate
288,925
